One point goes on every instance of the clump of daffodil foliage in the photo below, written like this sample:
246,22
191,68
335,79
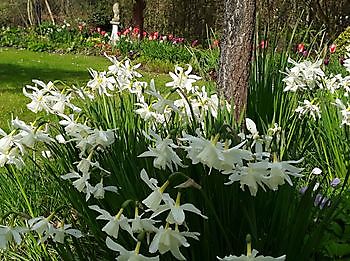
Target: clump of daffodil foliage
156,173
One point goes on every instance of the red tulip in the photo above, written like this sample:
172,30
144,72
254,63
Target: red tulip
332,48
301,47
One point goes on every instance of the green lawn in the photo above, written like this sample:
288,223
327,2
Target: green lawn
19,67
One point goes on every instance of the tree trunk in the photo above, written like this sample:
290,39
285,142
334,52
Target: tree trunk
236,52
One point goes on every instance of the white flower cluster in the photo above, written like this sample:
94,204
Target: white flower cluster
89,141
239,162
308,78
166,238
303,76
22,137
43,226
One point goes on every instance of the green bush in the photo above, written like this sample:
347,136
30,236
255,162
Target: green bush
342,41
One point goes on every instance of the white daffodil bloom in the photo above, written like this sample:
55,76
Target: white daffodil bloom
99,190
252,176
163,152
208,104
162,103
177,211
251,127
29,135
39,224
9,234
345,85
280,172
166,239
114,222
234,156
59,234
144,111
39,98
123,69
101,83
251,257
81,182
303,76
347,64
126,255
208,152
154,199
139,224
101,138
345,112
183,79
309,108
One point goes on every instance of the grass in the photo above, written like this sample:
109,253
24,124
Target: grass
19,67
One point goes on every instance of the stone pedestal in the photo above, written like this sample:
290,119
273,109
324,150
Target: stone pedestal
115,30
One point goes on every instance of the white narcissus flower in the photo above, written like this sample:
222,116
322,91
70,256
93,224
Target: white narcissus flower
309,108
128,255
40,225
303,76
154,199
59,234
177,211
162,103
101,83
183,79
166,239
208,152
280,172
163,152
81,182
99,190
252,176
39,98
8,234
234,156
114,222
29,134
345,112
347,64
253,256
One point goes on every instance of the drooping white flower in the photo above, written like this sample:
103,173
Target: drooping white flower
309,108
114,222
279,172
177,211
154,199
303,76
40,224
29,135
126,255
163,152
58,234
183,79
345,112
252,257
38,96
9,234
99,190
167,239
208,152
101,83
251,176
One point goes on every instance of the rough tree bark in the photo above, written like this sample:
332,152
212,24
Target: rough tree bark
236,51
138,10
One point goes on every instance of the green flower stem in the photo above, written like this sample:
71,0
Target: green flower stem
22,192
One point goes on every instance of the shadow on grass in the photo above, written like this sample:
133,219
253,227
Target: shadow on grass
14,77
